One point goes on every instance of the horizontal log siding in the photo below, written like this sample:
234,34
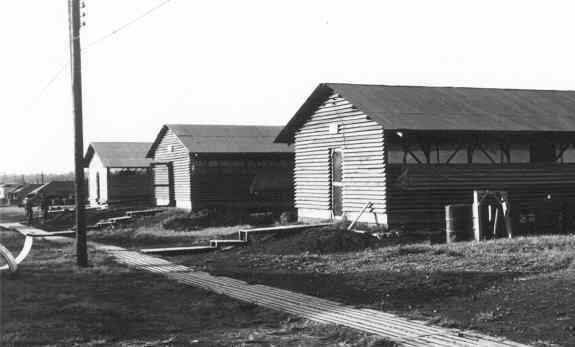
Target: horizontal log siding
181,163
362,142
417,190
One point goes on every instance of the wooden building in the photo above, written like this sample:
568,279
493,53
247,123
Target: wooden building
412,150
118,173
58,192
6,190
221,166
17,196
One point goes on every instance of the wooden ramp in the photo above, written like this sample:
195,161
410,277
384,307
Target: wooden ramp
404,331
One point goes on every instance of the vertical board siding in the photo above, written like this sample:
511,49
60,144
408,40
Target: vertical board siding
130,188
419,193
170,149
232,186
362,142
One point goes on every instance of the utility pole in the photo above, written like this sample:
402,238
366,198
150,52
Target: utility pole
76,67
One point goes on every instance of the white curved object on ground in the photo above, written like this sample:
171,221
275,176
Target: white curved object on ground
11,262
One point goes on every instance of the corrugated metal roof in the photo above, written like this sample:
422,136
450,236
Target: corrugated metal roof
119,154
199,138
449,108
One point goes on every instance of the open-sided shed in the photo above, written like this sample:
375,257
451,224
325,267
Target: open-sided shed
60,192
221,166
413,150
6,190
118,173
17,196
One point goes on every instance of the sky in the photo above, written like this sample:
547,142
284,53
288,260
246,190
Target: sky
251,62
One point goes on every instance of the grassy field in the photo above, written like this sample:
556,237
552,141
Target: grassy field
51,302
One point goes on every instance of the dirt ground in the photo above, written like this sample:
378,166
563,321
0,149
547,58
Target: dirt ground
51,302
9,214
521,288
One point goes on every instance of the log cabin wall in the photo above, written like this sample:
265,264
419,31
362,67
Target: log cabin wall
130,185
97,171
242,181
337,124
170,149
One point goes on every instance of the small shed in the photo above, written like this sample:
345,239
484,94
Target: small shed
412,150
118,173
6,190
221,166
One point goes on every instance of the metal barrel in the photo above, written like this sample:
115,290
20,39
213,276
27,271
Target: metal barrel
458,223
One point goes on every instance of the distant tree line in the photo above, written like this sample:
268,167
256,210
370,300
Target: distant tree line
35,177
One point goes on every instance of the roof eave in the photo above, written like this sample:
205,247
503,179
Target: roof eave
156,143
89,155
320,93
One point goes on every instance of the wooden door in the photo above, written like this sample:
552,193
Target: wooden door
163,181
336,164
97,187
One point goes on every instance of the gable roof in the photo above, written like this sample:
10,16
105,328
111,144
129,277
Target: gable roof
119,154
11,188
447,108
26,188
55,188
10,185
224,138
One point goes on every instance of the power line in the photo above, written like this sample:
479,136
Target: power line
93,43
124,26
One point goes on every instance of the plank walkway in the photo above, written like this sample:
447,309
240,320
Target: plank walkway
404,331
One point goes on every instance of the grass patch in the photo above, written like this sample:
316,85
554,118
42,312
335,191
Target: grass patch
52,302
501,287
176,227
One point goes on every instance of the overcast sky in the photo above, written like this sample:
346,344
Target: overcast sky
252,62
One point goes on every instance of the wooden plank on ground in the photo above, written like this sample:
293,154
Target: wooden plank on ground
171,251
244,233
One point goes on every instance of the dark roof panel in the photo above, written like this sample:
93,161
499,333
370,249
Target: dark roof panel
449,108
55,188
26,188
119,154
225,138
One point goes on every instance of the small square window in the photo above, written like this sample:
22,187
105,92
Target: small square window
334,128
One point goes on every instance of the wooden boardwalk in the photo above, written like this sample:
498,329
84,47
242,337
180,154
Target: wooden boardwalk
404,331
